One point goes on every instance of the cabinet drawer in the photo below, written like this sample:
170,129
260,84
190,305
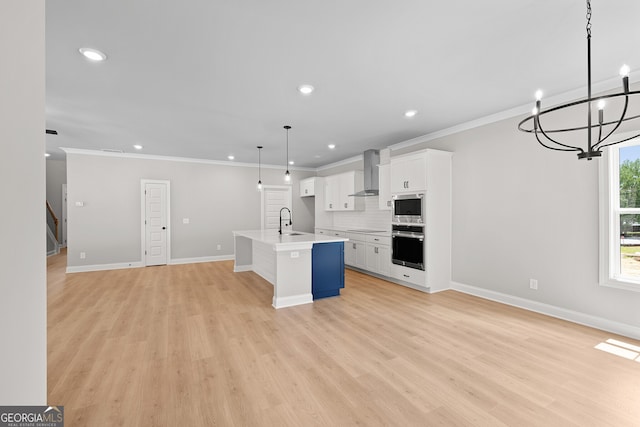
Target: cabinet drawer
332,233
357,237
411,275
380,240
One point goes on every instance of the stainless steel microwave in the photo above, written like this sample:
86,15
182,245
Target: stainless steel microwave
408,208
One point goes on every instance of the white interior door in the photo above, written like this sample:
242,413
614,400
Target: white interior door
156,223
273,199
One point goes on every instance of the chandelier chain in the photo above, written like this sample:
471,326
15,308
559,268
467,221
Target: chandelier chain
588,18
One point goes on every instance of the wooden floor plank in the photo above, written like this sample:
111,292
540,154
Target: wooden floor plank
200,345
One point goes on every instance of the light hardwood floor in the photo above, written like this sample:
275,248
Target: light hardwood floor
199,345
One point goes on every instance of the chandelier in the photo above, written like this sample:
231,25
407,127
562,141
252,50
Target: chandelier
604,129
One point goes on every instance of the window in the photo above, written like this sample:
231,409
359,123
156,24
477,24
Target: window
620,216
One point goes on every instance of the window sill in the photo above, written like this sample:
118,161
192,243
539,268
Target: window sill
621,284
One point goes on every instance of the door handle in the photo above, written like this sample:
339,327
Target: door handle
164,228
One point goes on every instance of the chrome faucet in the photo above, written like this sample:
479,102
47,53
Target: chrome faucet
290,219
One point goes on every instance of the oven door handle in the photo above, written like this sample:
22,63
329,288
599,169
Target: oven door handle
408,235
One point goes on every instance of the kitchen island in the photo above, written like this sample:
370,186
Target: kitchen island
286,261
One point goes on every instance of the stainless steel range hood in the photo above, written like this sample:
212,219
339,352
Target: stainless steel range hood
371,162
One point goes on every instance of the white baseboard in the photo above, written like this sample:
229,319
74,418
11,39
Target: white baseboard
551,310
138,264
291,301
201,259
102,267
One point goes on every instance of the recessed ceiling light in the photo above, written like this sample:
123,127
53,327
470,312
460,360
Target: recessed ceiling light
92,54
138,147
410,113
291,162
331,146
305,89
230,157
47,155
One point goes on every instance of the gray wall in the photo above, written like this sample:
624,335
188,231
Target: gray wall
23,309
217,199
521,211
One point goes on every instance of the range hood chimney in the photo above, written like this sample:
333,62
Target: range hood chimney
371,162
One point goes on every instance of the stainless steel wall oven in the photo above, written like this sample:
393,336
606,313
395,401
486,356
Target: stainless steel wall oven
407,245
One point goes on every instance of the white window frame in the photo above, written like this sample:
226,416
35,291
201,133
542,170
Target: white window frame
610,210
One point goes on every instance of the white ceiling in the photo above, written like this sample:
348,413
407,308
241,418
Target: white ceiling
209,78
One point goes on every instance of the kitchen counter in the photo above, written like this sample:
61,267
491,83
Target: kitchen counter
288,240
284,260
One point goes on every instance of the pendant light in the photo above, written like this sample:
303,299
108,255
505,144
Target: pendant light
597,134
259,187
287,175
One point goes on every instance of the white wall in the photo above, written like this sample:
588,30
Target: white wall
23,309
521,211
216,198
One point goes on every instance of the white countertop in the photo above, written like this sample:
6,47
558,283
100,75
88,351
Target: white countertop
368,230
289,240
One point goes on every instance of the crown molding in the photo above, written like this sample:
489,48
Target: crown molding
521,110
99,153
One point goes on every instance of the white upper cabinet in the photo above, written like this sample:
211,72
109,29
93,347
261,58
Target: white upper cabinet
308,187
384,184
338,190
408,173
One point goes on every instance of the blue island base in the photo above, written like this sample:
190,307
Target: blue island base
327,269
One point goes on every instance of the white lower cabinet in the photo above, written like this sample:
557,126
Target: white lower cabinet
379,254
355,251
367,252
379,259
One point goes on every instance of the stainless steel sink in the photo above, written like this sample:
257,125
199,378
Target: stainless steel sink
292,234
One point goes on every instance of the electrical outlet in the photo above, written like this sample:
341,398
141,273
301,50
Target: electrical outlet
533,284
219,247
83,255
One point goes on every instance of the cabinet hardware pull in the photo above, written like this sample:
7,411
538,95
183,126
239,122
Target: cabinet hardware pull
406,275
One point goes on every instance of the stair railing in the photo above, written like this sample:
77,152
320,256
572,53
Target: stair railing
54,218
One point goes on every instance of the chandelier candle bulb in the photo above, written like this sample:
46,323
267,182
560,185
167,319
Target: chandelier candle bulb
624,70
538,95
600,112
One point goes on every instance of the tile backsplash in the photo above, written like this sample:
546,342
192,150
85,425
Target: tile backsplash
371,218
